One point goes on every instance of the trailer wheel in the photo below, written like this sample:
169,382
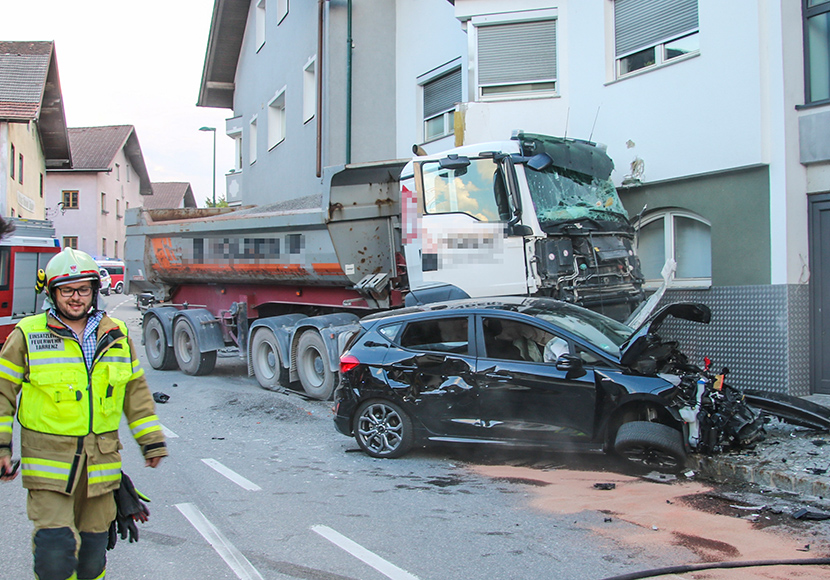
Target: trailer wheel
186,345
265,358
317,378
160,355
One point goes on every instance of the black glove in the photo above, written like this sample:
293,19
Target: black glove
130,509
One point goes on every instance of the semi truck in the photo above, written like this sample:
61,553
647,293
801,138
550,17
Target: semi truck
285,283
27,250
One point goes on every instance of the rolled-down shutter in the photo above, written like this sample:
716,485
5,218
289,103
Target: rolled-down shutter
518,52
639,24
442,94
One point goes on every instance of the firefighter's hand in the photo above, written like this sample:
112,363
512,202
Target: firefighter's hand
152,462
7,468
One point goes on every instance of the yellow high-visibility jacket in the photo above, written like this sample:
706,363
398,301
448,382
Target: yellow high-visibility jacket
67,412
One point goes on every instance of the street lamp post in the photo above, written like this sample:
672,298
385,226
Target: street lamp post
214,159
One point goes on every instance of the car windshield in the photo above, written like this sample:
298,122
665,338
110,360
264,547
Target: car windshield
561,195
602,332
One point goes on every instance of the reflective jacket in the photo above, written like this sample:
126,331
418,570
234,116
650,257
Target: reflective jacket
67,412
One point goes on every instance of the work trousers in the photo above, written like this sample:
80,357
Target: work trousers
71,532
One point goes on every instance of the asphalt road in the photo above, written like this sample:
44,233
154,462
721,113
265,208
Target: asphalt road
260,485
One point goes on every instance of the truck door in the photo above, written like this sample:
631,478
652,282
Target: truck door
465,229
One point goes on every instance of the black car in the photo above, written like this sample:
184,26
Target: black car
533,371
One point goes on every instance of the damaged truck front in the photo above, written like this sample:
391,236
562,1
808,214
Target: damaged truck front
536,215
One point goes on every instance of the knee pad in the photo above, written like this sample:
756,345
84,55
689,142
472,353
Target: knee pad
54,550
92,557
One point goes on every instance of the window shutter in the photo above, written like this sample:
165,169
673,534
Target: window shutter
639,24
517,52
442,93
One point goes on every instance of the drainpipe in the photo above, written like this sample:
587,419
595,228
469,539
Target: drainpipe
320,10
349,48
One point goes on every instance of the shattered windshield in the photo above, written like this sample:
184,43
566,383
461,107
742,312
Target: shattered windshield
599,330
561,195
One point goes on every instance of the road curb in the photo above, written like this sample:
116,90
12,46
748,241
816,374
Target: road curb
721,468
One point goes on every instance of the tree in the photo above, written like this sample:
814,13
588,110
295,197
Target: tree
221,202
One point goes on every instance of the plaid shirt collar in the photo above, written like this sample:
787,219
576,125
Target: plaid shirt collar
90,339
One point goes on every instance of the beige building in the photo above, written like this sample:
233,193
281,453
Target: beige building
33,134
108,176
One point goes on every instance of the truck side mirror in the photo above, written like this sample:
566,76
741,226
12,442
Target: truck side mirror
540,162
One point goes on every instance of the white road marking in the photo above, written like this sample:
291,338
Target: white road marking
240,565
232,475
386,568
168,433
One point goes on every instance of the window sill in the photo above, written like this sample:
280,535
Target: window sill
691,284
523,97
274,146
104,212
651,68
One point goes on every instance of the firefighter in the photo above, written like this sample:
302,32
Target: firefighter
78,373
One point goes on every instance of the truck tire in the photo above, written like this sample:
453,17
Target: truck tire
186,346
160,355
316,377
265,358
651,444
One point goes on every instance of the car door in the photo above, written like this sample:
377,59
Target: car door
523,396
431,368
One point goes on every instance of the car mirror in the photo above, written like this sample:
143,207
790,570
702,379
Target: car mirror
572,365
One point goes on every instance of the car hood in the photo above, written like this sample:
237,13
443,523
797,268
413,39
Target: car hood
639,340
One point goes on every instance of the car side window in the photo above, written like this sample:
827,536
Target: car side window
438,334
590,359
506,339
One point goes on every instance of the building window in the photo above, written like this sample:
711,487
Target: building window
117,172
118,209
70,242
682,236
440,96
276,120
649,33
12,161
41,186
237,152
516,58
103,246
260,23
282,10
252,138
309,90
128,172
70,199
20,169
115,249
817,50
104,203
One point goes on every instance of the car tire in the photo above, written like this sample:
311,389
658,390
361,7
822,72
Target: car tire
265,360
382,429
160,355
186,346
317,379
651,444
119,288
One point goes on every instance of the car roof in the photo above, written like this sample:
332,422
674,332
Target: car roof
507,303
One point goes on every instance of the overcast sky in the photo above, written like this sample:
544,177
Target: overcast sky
130,62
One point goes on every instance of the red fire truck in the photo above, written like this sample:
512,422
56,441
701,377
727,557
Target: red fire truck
26,250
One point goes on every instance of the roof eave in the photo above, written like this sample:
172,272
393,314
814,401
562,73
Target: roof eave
227,30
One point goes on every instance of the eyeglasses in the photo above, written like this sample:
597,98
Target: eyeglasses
83,291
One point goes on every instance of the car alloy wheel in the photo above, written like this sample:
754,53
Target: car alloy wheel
382,429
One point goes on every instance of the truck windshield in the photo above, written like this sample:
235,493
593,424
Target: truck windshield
477,190
560,195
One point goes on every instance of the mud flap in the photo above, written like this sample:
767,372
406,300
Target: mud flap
790,409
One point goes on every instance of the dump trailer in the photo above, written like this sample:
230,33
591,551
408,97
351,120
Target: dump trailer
27,250
286,283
